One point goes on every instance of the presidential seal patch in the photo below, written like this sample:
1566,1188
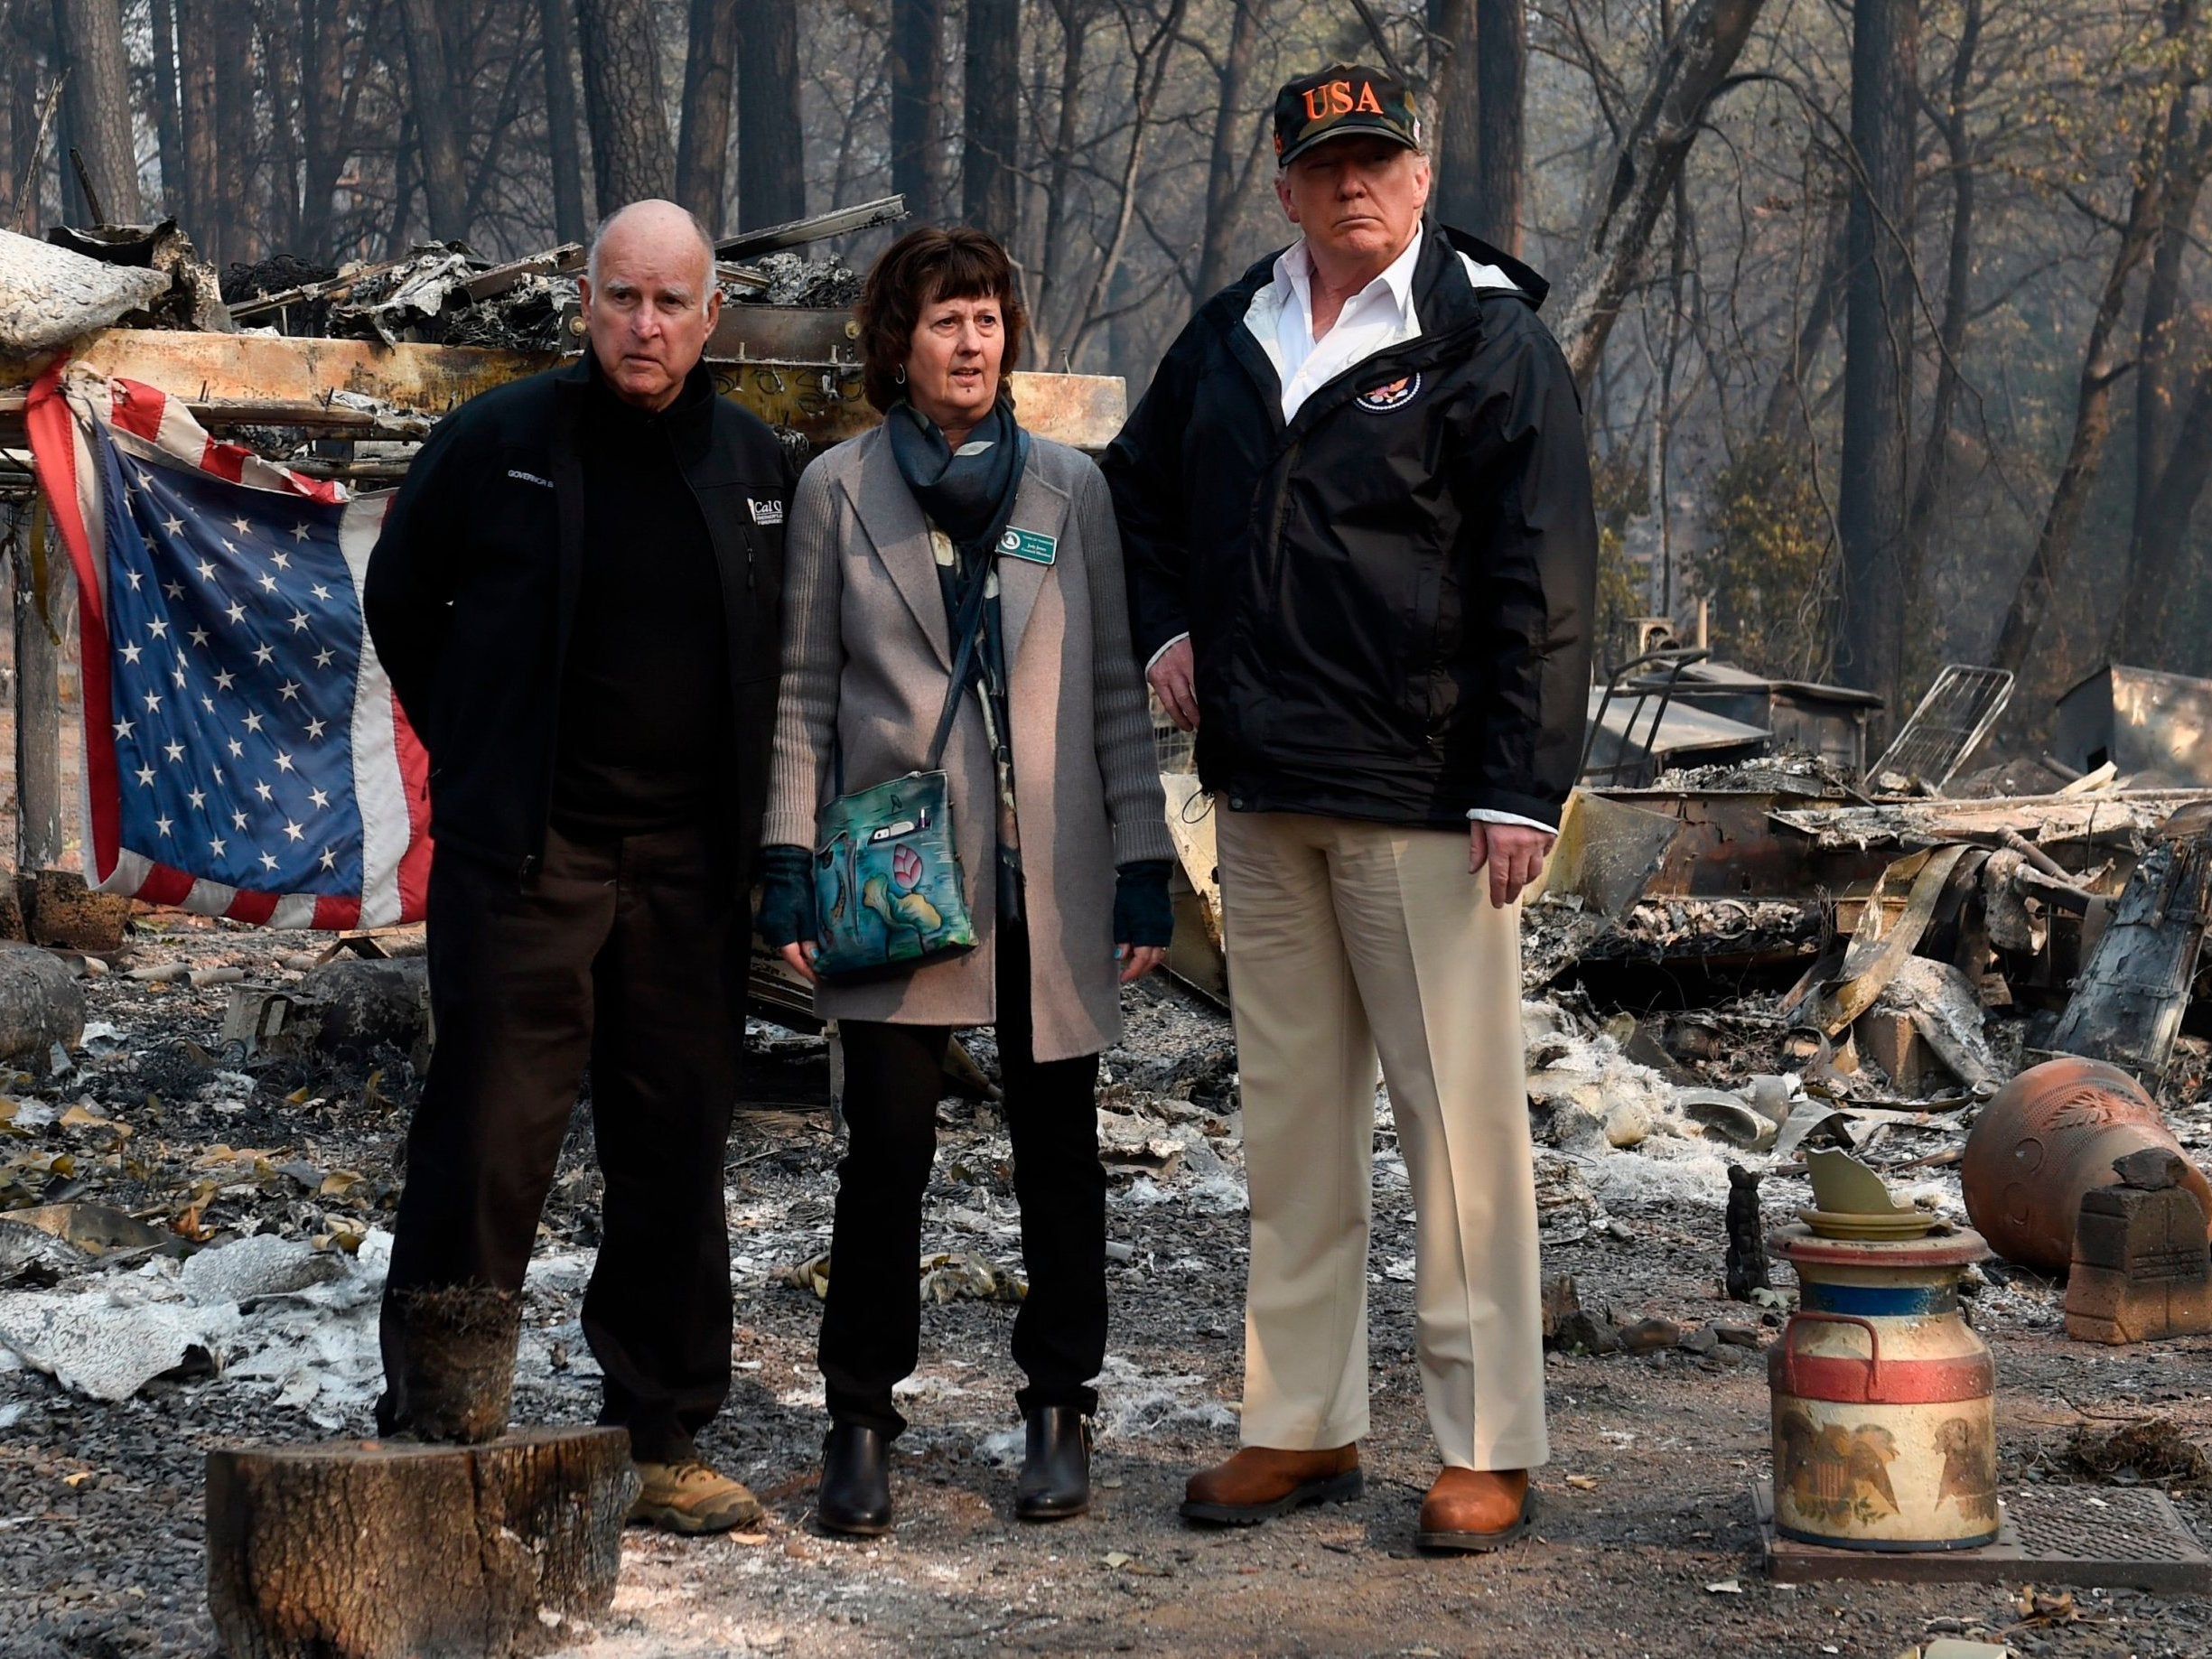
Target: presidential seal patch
1391,395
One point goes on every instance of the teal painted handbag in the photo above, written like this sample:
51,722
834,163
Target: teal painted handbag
889,892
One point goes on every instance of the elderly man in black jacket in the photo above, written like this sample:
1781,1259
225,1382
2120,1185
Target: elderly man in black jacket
1361,555
576,594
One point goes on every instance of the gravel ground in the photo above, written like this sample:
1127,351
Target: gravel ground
1645,1543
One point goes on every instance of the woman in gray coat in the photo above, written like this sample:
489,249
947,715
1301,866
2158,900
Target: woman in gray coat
1056,808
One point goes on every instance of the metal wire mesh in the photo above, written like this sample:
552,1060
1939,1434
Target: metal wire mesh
1951,721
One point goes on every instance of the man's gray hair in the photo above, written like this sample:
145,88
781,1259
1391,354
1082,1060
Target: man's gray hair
606,225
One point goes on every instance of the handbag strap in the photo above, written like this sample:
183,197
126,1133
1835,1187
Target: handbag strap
969,624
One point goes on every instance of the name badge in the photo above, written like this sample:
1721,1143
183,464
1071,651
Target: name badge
1034,545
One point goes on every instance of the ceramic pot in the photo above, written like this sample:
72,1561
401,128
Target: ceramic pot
2044,1140
1884,1433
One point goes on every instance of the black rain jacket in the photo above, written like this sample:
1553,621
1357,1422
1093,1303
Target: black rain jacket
1389,599
472,593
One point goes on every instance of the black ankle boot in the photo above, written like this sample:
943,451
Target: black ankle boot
1056,1467
856,1495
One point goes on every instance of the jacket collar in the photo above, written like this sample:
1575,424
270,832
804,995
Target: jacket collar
1439,279
894,525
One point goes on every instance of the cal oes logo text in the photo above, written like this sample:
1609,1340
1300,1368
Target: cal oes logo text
1392,395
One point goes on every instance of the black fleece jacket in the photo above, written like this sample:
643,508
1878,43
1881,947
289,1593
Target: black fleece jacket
472,590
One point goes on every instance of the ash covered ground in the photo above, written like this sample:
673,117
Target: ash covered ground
282,1171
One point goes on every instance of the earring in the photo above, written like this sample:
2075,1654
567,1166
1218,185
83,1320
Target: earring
899,374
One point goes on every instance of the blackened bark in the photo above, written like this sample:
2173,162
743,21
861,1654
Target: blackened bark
1785,399
1638,182
237,155
1927,491
1455,112
204,218
1878,347
1230,167
916,89
1501,70
281,35
991,99
437,119
771,145
2102,363
168,125
703,133
631,156
327,119
564,148
96,103
2152,626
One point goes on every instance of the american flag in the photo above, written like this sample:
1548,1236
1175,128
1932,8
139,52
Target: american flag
244,754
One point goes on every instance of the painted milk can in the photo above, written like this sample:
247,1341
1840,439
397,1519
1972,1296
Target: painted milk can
1884,1435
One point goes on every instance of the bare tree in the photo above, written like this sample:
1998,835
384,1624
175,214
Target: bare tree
563,151
1964,165
1501,73
168,118
1238,131
97,104
1637,183
1455,110
2156,172
917,92
990,97
202,203
771,157
632,156
438,115
703,133
1877,347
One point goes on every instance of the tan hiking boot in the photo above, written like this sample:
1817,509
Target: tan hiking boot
1474,1511
1260,1483
690,1497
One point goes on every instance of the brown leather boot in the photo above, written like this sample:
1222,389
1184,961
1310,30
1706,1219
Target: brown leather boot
1471,1511
1260,1483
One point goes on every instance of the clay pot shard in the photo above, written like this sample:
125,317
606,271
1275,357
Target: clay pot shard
2050,1136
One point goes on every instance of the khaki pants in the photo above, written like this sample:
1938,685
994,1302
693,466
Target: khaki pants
1346,939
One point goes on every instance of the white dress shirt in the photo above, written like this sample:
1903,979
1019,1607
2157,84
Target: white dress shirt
1379,316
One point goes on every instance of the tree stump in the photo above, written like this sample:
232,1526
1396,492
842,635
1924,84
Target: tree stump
41,1003
388,1549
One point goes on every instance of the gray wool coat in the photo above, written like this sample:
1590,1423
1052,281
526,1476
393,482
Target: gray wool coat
867,656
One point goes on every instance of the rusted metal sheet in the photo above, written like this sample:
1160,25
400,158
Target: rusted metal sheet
2140,720
234,379
2121,819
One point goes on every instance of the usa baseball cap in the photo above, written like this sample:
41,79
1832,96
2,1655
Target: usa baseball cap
1341,100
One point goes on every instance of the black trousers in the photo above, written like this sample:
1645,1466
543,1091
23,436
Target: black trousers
627,952
893,1077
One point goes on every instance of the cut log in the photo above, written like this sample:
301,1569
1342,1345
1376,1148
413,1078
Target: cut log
363,1003
381,1550
60,910
40,1003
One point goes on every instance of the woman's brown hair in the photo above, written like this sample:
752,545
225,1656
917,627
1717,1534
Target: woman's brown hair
948,262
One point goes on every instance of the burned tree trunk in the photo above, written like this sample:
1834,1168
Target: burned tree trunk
1927,491
370,1550
990,95
332,96
1878,346
632,156
168,126
1455,110
437,119
1231,163
98,104
916,91
1638,182
234,159
565,152
1501,72
201,196
772,154
2102,361
702,131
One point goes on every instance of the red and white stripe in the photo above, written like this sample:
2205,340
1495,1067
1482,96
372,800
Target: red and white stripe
390,768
